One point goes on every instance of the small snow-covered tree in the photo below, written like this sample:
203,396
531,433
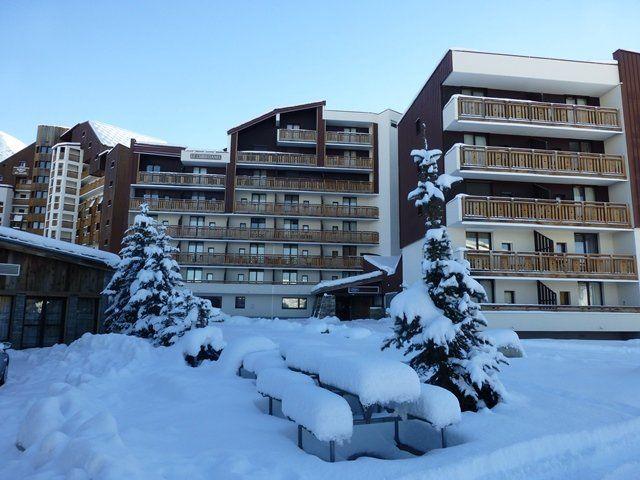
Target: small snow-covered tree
437,321
148,296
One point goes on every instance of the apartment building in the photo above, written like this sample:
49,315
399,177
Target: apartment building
298,197
548,211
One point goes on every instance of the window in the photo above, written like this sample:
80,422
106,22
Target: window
241,302
293,126
488,288
586,242
195,247
200,170
241,277
292,199
242,251
590,293
209,277
350,201
472,92
196,221
290,249
576,101
561,247
349,226
294,303
584,194
153,168
509,296
506,246
582,146
216,302
258,198
290,224
258,223
212,224
289,276
478,241
256,276
471,139
565,298
256,249
211,249
243,225
194,274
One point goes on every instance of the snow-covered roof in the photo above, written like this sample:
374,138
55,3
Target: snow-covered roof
111,135
9,145
340,282
386,264
58,246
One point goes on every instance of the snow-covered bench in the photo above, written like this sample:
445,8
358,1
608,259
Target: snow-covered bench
273,382
324,414
237,349
309,358
254,362
436,406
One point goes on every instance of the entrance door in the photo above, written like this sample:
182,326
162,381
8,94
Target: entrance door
43,321
5,317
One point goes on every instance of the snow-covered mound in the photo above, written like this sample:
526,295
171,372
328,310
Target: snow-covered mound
9,145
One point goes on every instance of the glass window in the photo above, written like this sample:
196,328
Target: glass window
586,242
256,276
565,298
590,293
294,303
478,241
488,288
196,221
289,276
290,224
290,249
561,247
509,296
258,223
194,274
506,246
240,302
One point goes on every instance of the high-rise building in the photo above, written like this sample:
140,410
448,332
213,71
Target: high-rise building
548,212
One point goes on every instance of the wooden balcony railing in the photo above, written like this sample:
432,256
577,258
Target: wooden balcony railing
178,205
276,235
176,178
272,158
92,185
253,282
556,265
306,210
561,308
348,137
305,184
363,163
542,113
531,210
547,162
286,135
270,260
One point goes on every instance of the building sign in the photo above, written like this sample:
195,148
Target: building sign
204,156
364,290
9,269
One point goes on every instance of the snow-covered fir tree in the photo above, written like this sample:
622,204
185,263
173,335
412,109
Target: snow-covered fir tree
438,321
148,296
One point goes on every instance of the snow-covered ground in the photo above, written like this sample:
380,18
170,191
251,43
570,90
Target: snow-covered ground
113,407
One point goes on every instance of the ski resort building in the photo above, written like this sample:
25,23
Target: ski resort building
548,214
298,197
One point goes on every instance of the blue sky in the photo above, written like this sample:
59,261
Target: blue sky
187,71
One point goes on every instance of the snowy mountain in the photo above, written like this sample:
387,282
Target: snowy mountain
9,145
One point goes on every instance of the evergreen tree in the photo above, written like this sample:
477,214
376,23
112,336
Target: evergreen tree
438,321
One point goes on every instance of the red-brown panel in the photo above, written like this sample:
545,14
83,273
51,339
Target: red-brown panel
230,185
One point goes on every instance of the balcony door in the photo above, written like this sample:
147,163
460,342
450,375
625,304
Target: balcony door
43,322
584,194
586,242
590,293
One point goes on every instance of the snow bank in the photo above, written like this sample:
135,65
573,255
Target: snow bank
255,362
325,414
193,340
506,340
436,405
233,355
310,358
374,379
274,382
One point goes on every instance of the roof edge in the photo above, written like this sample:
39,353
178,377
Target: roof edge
276,111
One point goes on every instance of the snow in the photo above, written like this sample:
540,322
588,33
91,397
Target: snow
121,408
37,241
110,135
346,280
196,338
326,414
414,302
233,355
9,145
436,405
256,362
386,264
310,358
373,378
274,382
503,337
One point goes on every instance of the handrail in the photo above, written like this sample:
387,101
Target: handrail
298,135
306,209
179,178
548,162
348,137
271,260
277,158
304,184
178,205
545,113
363,163
560,308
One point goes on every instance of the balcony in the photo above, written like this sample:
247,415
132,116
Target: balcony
552,265
178,205
274,158
356,163
350,139
529,211
182,180
297,137
519,117
270,261
303,184
92,185
273,235
531,165
307,210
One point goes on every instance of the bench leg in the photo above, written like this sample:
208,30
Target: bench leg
443,438
332,451
300,437
396,430
270,406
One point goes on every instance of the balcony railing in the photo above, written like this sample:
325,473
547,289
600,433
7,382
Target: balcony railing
541,113
337,161
178,179
305,184
547,162
348,138
273,158
276,235
560,308
92,185
306,210
555,265
305,136
270,260
560,212
252,282
178,205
